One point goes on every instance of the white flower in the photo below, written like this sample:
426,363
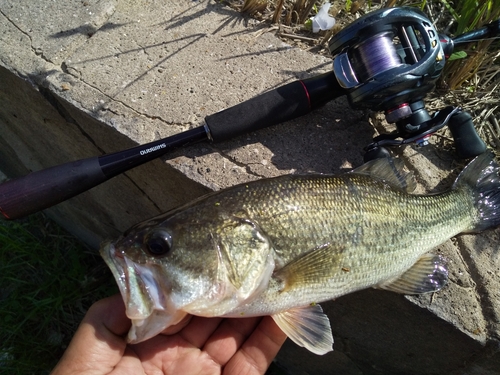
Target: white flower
322,20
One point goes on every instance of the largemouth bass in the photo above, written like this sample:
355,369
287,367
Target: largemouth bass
282,245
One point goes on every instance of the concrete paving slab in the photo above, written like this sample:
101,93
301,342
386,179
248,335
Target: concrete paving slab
83,78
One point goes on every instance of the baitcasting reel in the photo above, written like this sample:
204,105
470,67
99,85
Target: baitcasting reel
388,61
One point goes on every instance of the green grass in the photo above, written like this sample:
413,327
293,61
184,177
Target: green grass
48,280
470,15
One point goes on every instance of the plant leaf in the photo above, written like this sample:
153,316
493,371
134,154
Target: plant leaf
457,55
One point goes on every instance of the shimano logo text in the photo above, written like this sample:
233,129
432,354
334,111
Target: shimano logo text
151,149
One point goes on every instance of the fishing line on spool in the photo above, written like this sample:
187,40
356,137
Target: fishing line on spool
375,55
378,54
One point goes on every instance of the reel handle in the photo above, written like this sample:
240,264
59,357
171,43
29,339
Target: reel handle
467,142
274,107
488,31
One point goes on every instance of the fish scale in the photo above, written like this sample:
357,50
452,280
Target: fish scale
395,234
382,211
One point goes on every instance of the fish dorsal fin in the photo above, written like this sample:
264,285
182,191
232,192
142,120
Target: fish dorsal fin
428,274
390,171
312,267
308,327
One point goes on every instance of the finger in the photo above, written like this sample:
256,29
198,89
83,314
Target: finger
257,353
177,345
172,330
199,330
110,314
129,364
229,337
99,339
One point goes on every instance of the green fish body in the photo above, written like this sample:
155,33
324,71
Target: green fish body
280,246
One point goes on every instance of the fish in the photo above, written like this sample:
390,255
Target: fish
280,246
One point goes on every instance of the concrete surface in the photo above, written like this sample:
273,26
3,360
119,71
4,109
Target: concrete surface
82,78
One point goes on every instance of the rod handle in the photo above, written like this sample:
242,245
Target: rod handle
38,190
467,142
284,103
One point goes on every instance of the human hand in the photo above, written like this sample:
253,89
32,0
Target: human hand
194,346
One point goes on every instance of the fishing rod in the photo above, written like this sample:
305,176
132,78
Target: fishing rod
387,60
45,188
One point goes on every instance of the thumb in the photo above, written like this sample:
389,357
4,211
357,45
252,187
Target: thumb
99,343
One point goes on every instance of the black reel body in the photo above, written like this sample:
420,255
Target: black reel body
387,59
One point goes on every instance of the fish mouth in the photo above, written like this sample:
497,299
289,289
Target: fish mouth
116,265
145,301
135,282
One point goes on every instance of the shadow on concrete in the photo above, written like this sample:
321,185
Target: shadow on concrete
192,39
372,328
327,140
86,29
233,17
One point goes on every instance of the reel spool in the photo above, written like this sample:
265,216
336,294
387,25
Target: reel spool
373,56
388,60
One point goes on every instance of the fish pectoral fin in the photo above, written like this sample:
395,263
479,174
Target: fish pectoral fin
314,267
428,274
389,170
308,327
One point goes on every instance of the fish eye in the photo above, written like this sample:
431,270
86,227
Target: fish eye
159,242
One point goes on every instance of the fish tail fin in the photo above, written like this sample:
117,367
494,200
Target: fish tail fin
481,176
